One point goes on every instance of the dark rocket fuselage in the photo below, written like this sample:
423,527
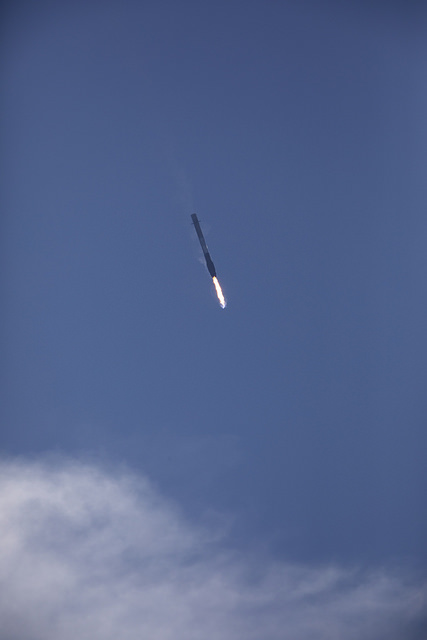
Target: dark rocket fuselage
209,263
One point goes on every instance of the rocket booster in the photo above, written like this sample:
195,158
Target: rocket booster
210,265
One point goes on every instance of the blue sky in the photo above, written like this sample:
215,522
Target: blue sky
297,132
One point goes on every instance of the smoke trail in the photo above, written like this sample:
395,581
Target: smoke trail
219,293
99,555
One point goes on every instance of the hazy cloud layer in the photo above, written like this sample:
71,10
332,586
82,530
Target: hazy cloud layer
93,554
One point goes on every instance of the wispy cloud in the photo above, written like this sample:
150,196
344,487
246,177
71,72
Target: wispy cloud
94,554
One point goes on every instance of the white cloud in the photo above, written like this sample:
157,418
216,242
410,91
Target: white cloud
93,554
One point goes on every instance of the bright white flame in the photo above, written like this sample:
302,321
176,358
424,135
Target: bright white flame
219,293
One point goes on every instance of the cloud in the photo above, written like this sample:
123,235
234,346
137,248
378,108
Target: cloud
91,553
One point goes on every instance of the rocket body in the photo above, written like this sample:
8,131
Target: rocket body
209,263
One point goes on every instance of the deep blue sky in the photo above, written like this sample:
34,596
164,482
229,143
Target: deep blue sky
297,132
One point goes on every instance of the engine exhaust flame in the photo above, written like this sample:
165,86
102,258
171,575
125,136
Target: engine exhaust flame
219,293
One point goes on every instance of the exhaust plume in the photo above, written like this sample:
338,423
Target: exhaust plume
219,293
